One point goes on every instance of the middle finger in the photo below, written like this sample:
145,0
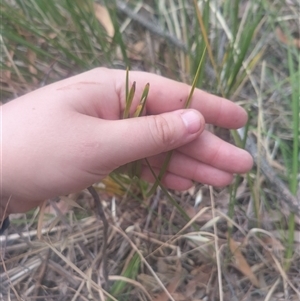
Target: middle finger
213,151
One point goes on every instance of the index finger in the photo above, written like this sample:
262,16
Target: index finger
168,95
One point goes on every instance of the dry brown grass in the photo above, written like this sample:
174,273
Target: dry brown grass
168,253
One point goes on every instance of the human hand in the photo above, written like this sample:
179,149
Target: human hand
66,136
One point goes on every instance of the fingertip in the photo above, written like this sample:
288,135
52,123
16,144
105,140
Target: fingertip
243,116
244,163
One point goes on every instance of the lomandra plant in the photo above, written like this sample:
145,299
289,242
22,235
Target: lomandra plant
134,168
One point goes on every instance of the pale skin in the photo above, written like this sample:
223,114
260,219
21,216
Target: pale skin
66,136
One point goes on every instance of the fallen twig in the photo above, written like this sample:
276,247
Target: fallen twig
153,28
102,216
292,201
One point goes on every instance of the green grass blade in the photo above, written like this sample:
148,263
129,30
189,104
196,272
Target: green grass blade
161,173
127,83
173,202
203,23
169,154
135,167
233,69
140,108
234,15
129,101
112,9
295,79
293,179
189,99
131,273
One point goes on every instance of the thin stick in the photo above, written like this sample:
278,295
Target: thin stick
268,171
122,6
216,244
102,216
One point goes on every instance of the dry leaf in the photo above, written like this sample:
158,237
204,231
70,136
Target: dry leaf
273,243
149,282
31,55
41,220
62,206
136,51
201,276
67,200
172,287
241,264
284,39
197,238
192,190
103,17
110,187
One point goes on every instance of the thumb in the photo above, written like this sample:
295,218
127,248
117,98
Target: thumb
136,138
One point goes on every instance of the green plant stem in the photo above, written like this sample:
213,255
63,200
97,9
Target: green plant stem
187,105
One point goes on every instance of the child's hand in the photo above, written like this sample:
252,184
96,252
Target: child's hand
68,135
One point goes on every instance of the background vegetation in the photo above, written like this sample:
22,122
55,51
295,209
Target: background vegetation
239,242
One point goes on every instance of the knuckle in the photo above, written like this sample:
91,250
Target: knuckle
162,132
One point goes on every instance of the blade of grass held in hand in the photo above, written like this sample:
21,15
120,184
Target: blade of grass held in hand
129,101
187,105
189,99
205,37
135,167
140,108
127,83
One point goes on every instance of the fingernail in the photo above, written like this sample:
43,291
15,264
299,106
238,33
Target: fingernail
192,121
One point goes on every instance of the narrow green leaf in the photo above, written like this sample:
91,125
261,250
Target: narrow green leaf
129,101
111,7
165,191
131,272
127,83
140,108
294,79
169,154
189,99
